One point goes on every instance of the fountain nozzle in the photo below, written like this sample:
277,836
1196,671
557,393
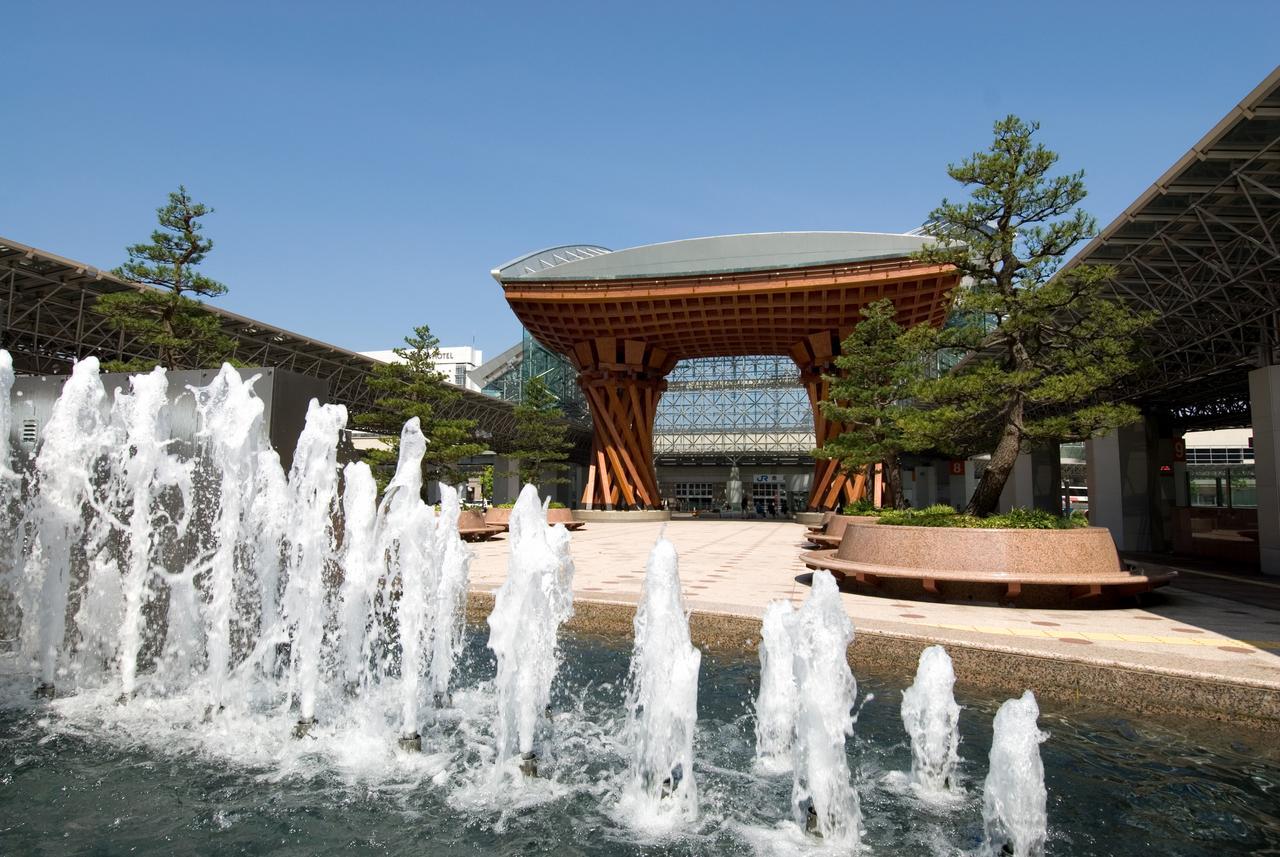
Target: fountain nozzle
302,728
671,783
529,764
44,690
411,743
811,825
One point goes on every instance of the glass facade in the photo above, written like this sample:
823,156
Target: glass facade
1222,487
734,406
555,371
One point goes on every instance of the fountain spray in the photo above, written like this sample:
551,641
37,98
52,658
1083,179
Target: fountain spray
312,555
931,717
1014,800
662,701
778,699
824,800
535,600
75,438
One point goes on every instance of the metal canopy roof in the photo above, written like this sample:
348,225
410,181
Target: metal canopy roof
1201,248
47,306
721,254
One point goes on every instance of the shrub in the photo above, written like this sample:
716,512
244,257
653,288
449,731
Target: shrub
1015,519
512,505
860,507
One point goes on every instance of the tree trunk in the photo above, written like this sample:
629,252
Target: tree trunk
986,497
893,476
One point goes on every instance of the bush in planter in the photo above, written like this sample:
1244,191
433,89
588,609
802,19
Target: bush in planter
512,505
860,507
1015,519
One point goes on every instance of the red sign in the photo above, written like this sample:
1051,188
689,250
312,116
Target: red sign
1179,449
957,467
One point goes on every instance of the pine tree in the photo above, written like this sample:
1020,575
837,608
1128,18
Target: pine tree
164,319
879,366
1043,348
542,445
411,387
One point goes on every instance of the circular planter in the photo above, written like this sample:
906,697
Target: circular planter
496,517
831,535
812,519
1050,568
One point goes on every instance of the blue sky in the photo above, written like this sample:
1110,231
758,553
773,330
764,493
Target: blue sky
369,163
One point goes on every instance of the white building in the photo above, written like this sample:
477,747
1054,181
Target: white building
456,363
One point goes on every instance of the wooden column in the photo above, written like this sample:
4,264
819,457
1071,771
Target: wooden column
830,487
623,381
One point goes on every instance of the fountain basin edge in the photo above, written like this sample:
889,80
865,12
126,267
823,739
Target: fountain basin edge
1158,691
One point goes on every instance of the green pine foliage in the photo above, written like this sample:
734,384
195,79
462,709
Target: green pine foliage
879,366
413,388
165,319
542,444
1043,349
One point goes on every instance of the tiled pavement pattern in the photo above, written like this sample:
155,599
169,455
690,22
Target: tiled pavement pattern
739,566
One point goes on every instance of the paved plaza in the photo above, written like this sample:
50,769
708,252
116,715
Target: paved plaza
736,567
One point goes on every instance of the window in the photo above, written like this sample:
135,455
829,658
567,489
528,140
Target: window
1223,487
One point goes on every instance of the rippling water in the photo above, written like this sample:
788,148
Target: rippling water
82,776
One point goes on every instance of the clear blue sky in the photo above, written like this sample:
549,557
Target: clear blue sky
370,162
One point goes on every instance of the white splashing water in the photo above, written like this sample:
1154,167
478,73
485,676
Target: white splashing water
449,603
406,525
360,569
11,536
535,599
662,703
187,569
312,556
932,719
151,475
824,720
75,438
229,440
1014,814
778,699
8,478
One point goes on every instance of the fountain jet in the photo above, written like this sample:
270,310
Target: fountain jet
535,599
662,701
931,717
1014,814
826,692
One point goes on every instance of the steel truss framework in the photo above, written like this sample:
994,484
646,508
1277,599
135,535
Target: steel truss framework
730,406
1201,250
47,306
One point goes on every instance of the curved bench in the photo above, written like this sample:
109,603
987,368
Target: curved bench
833,531
472,528
1031,567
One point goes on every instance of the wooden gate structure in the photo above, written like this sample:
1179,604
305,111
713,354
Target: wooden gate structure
625,318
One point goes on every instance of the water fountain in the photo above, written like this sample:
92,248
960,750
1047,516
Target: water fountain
823,797
75,438
232,605
931,717
1014,815
662,702
778,698
312,554
528,610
